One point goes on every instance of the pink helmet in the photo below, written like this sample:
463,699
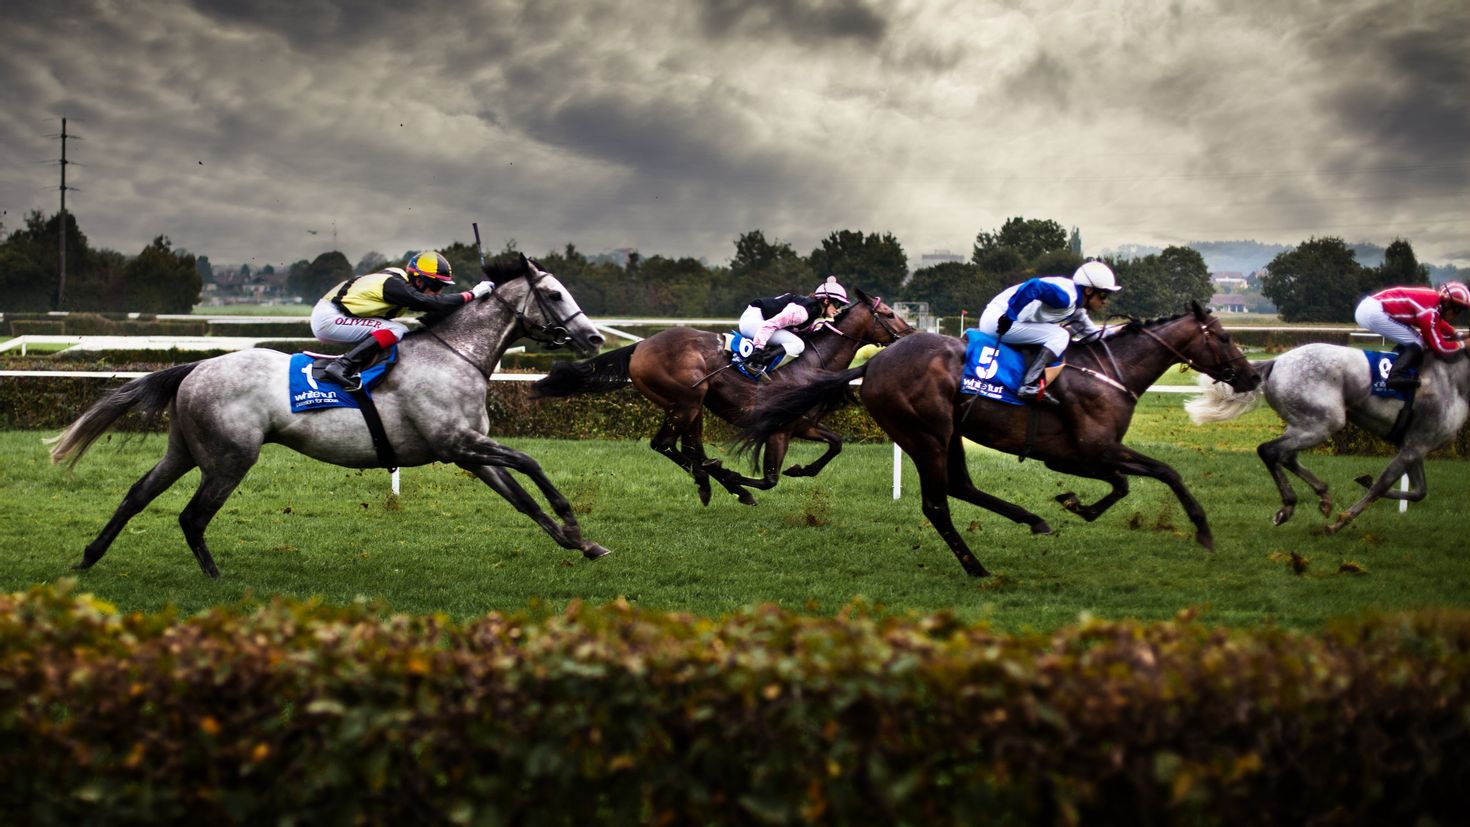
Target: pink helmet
830,289
1454,293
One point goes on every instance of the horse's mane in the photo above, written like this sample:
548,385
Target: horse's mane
1133,323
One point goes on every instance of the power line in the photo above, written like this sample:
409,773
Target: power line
61,218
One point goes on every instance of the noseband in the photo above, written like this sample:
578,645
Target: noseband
553,334
1224,368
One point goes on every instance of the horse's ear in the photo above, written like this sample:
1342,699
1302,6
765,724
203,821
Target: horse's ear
1199,311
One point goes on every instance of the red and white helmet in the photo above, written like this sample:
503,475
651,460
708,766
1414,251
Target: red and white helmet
830,289
1454,293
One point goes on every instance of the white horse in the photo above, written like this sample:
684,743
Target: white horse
1317,389
432,405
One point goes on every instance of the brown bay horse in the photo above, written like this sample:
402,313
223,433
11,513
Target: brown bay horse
912,390
683,371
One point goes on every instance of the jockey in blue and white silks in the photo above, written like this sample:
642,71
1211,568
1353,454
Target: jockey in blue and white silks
1048,311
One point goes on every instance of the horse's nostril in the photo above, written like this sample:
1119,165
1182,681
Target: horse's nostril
596,339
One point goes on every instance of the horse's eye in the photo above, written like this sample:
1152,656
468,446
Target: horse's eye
553,295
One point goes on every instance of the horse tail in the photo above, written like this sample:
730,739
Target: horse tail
150,395
600,374
813,400
1219,403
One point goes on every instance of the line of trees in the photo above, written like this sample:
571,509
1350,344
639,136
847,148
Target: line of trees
1319,280
159,279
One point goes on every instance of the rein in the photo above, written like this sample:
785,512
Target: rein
1226,375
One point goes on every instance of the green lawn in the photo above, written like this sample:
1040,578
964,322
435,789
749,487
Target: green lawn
302,528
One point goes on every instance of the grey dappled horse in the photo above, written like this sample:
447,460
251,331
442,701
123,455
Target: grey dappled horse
432,406
1317,389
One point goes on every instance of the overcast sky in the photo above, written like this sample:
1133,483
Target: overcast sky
240,127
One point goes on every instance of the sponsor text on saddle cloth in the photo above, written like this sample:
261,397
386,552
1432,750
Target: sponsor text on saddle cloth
310,394
1380,362
741,348
992,369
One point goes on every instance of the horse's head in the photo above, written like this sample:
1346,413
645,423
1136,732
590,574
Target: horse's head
868,319
1210,351
543,307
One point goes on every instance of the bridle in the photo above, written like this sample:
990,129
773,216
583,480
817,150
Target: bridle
1225,367
871,303
553,334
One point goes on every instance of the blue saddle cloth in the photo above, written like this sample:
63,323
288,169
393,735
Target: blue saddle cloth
992,369
1380,362
740,348
311,394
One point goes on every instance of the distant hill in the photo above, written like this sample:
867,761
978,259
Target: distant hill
1250,256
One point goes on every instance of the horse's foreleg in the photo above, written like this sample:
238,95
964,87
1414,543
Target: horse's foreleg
816,433
1069,500
693,442
567,536
482,450
1396,468
1281,453
1130,461
175,463
1417,487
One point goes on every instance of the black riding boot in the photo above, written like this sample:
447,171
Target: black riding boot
1031,382
344,371
1410,357
758,364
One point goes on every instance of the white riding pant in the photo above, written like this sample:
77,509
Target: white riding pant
1371,316
330,324
1053,337
751,322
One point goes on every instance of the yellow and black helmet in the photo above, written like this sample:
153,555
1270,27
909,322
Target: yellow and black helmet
430,265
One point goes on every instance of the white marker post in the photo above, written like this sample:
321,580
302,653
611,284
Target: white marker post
1403,486
897,471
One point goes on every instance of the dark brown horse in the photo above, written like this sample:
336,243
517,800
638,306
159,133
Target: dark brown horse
683,370
912,390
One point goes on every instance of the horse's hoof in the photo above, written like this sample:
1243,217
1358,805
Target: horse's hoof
1206,540
1325,507
795,471
1364,480
704,495
1069,501
976,570
1040,528
81,566
592,551
746,497
1281,516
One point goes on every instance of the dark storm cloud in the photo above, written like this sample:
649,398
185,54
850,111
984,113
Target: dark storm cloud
235,127
813,22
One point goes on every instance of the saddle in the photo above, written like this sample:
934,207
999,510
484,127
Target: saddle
310,391
1380,363
994,370
740,348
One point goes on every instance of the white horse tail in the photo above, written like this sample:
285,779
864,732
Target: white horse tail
150,396
1219,403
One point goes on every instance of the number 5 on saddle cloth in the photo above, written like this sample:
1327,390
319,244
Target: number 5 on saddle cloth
994,370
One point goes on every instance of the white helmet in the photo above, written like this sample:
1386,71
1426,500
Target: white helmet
830,289
1096,275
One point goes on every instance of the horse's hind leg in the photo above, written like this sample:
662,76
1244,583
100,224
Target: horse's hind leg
693,445
1417,487
816,433
962,487
216,483
1396,468
1069,500
666,442
176,462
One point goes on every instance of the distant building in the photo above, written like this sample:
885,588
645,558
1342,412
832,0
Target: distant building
1228,282
941,257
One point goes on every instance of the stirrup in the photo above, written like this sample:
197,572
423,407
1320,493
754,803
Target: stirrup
349,382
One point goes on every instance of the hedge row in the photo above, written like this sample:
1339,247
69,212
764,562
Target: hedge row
52,402
296,711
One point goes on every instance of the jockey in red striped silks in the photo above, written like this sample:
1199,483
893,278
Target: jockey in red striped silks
1415,318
